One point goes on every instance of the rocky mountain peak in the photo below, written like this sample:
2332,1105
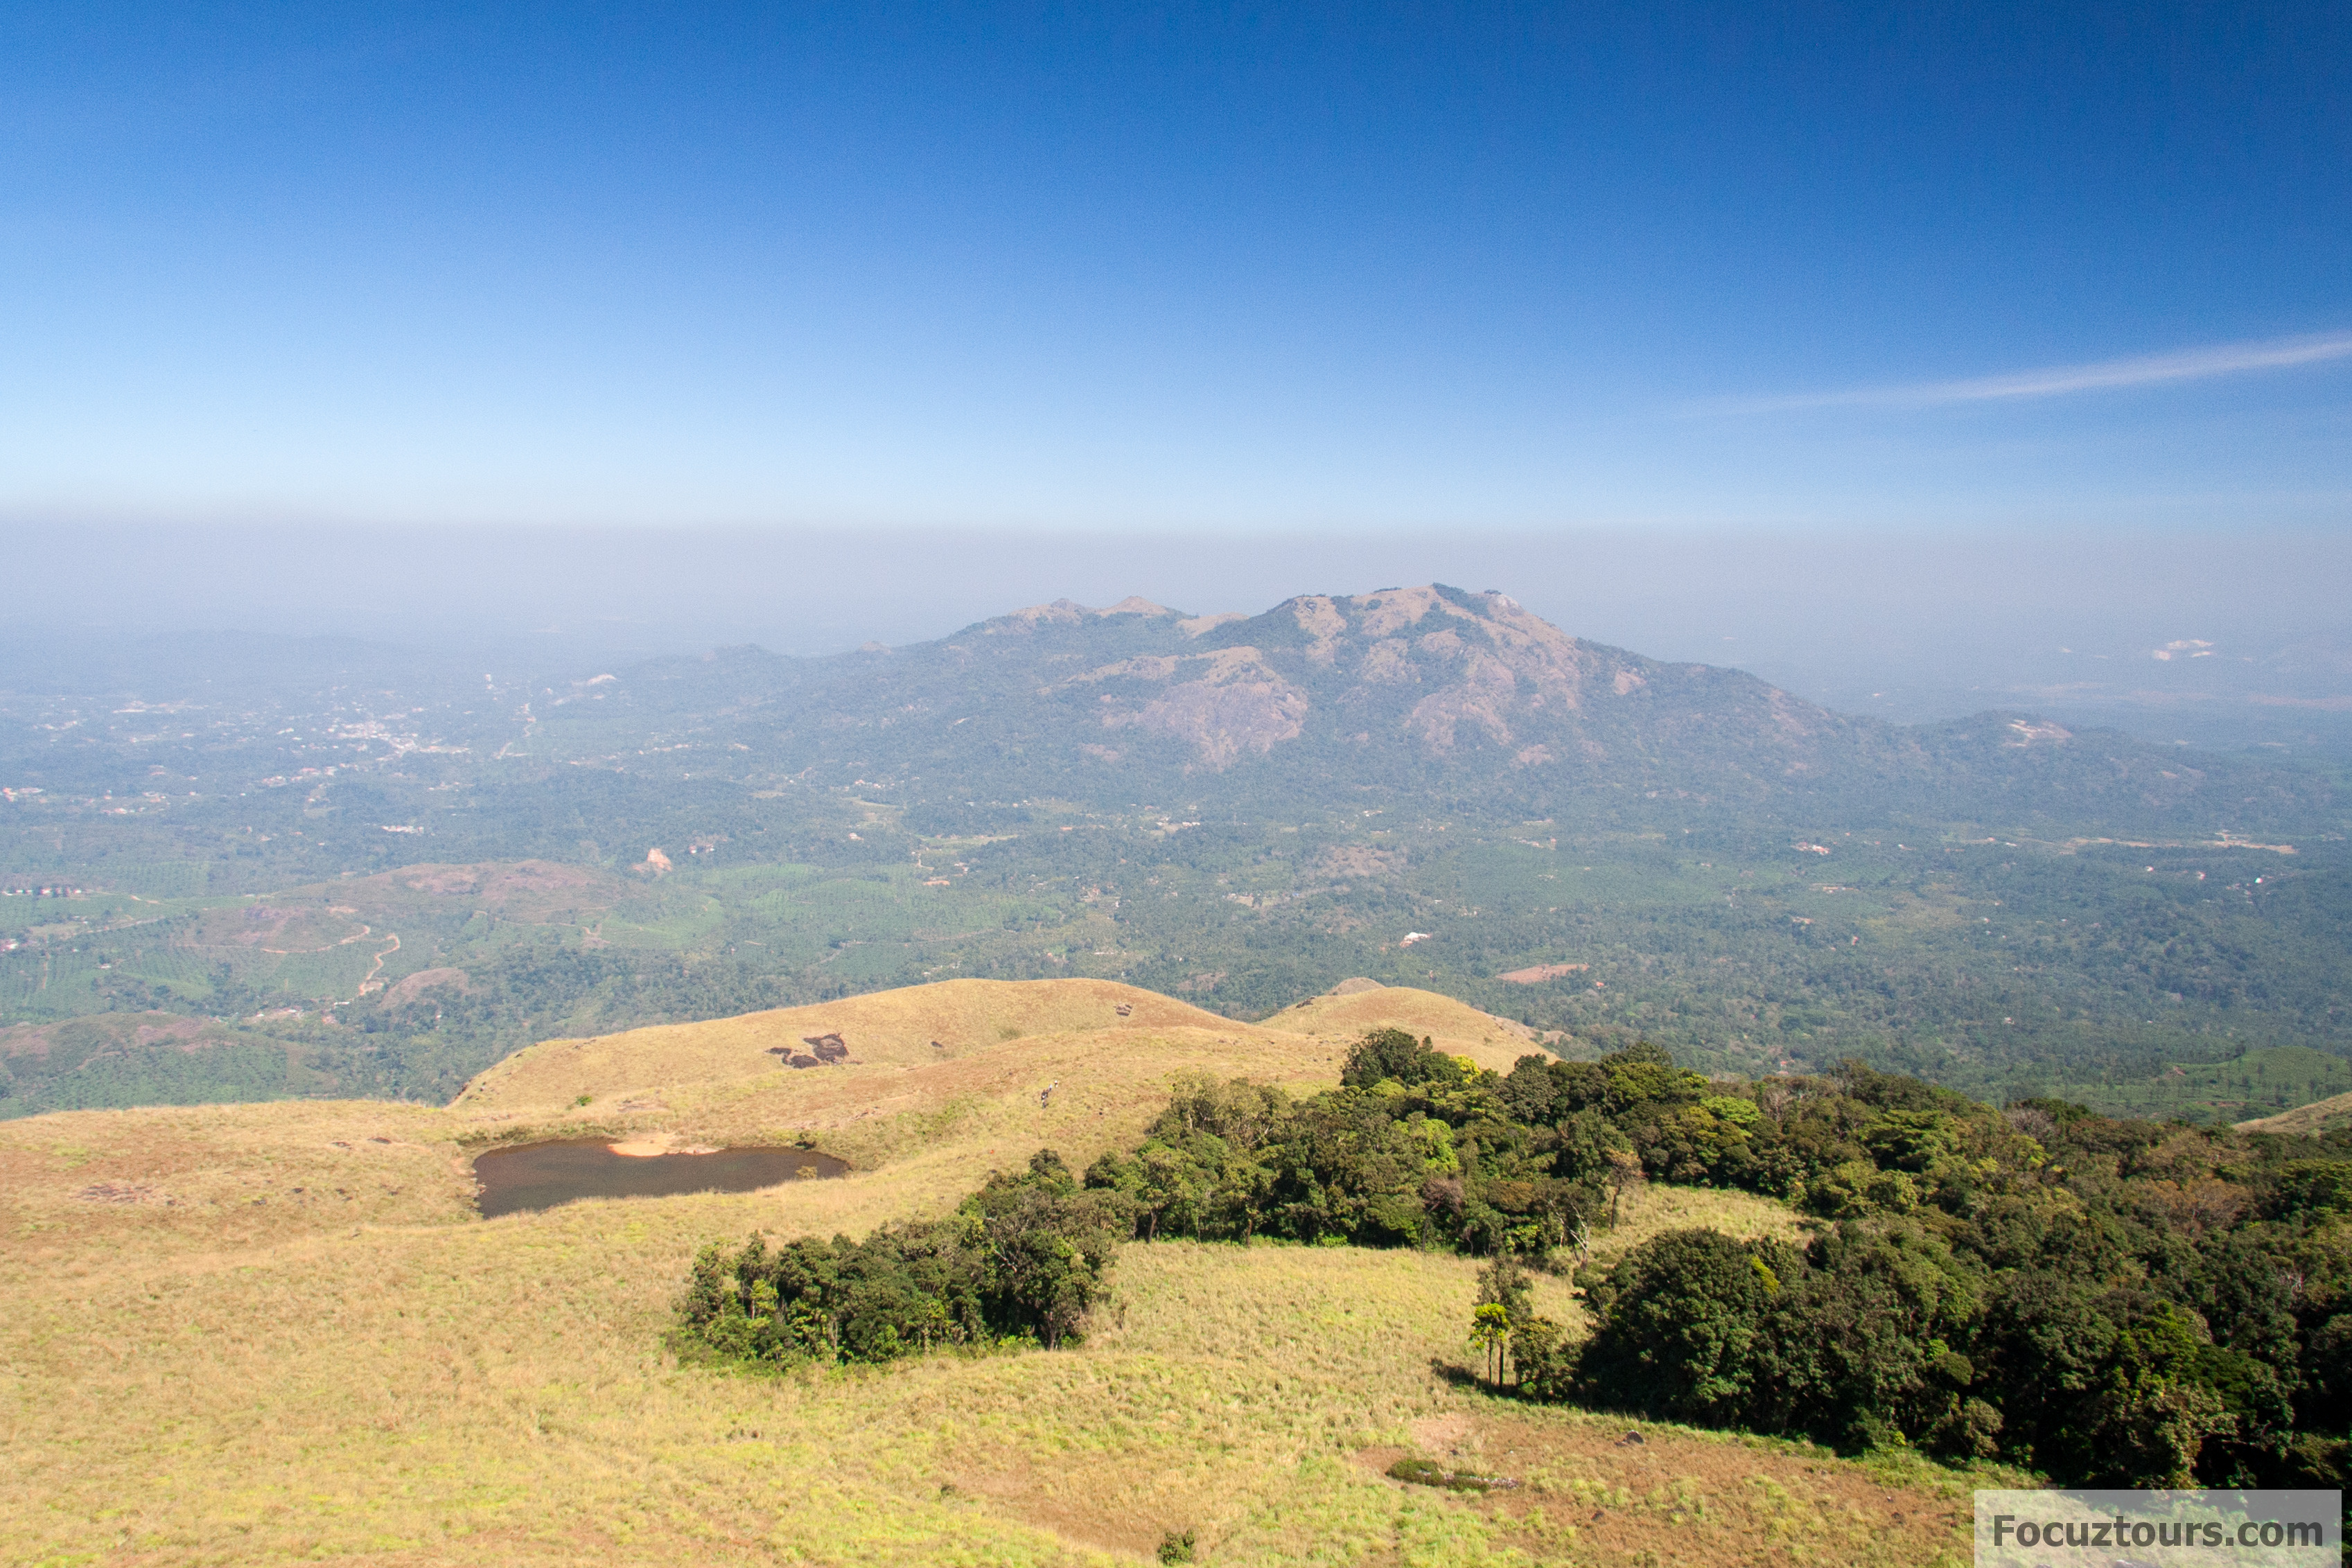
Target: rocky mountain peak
1429,689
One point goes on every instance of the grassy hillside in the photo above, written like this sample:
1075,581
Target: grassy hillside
946,1078
2336,1111
260,1333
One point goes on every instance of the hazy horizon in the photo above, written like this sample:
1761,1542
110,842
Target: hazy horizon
1910,627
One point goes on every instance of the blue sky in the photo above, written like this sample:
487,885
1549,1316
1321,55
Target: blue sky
1282,267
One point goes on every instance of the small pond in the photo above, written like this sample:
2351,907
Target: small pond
540,1176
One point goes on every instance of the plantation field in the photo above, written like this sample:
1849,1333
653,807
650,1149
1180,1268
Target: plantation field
2259,1083
2005,962
260,1333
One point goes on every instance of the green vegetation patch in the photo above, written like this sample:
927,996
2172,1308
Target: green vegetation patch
1021,1261
1422,1473
2257,1083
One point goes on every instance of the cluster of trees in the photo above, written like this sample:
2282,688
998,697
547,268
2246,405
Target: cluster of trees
1416,1148
2109,1303
2105,1301
1023,1260
2115,1302
2077,967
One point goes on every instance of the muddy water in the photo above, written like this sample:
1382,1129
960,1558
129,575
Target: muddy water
540,1176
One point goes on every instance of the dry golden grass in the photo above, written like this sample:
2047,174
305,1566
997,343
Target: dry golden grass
955,1106
1649,1210
1455,1028
915,1026
223,1178
2315,1117
1597,1489
922,1027
362,1372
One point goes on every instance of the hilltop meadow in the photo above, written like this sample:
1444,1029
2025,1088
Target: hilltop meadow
255,1333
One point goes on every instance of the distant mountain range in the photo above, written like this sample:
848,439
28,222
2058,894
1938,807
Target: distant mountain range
1408,691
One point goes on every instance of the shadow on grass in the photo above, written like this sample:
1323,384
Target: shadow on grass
1455,1375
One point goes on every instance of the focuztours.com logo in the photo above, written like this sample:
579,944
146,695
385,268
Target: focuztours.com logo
2159,1529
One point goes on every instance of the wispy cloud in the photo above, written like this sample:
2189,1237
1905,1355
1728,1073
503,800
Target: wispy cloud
2058,381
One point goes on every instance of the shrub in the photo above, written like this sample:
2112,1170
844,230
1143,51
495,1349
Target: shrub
1023,1257
1390,1054
1422,1473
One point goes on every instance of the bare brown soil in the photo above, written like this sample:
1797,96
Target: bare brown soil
1360,860
1539,973
411,986
1235,704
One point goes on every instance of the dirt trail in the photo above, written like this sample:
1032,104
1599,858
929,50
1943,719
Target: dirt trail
370,982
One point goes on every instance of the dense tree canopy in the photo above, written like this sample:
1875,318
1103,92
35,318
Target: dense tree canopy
2106,1302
